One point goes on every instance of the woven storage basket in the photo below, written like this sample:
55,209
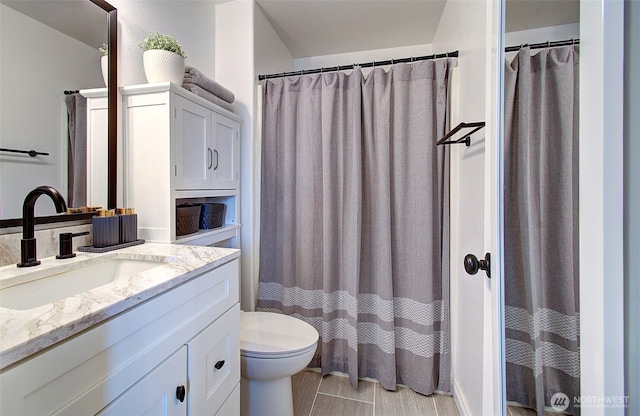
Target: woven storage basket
187,217
212,216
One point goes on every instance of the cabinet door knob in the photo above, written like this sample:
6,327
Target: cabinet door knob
181,392
219,365
472,264
210,158
215,151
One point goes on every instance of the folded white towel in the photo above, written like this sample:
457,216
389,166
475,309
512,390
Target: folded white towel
193,76
199,91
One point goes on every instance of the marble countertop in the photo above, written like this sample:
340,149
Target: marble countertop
24,332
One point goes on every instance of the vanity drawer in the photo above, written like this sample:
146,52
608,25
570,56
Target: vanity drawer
214,363
156,393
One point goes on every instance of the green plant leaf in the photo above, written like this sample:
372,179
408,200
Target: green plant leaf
164,42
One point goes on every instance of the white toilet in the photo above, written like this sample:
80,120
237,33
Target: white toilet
273,347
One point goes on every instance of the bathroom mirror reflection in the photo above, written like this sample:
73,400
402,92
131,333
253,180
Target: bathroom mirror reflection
541,206
47,48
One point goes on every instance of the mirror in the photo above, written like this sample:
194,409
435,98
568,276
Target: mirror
541,278
49,47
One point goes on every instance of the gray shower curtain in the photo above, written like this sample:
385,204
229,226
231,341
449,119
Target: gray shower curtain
355,216
77,150
541,229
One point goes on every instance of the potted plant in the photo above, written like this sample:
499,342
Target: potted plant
163,59
104,63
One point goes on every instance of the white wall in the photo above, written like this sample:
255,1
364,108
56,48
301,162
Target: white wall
539,35
463,28
362,56
43,64
632,204
601,202
543,34
271,56
235,69
191,23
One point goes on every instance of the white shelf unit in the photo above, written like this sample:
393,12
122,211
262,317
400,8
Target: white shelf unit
179,148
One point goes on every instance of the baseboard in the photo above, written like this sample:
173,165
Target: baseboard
461,402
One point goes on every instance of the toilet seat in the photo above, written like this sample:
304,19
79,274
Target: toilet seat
273,335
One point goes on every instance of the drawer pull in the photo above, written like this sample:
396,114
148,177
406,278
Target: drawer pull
181,392
219,365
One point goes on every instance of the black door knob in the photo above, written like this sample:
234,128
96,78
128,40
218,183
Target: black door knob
181,392
472,264
219,365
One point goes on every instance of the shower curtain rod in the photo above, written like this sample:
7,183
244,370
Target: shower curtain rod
543,45
453,54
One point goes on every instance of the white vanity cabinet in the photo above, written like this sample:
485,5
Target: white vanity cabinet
136,362
179,148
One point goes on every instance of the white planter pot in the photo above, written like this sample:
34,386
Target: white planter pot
104,64
162,66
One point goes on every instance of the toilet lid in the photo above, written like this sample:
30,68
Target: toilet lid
266,333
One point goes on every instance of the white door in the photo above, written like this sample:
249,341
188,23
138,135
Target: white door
474,311
602,58
494,402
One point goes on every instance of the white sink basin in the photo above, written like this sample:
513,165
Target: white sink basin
56,284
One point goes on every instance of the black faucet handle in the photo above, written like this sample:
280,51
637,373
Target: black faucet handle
66,247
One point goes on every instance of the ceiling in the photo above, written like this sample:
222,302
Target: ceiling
324,27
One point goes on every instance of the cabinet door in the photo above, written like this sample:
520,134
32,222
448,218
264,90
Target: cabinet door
193,151
226,160
231,406
156,393
214,364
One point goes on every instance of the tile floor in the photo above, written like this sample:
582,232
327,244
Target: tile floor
333,395
523,411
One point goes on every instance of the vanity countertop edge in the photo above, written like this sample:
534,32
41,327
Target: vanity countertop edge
27,332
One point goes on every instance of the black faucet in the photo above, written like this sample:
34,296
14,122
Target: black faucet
28,242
